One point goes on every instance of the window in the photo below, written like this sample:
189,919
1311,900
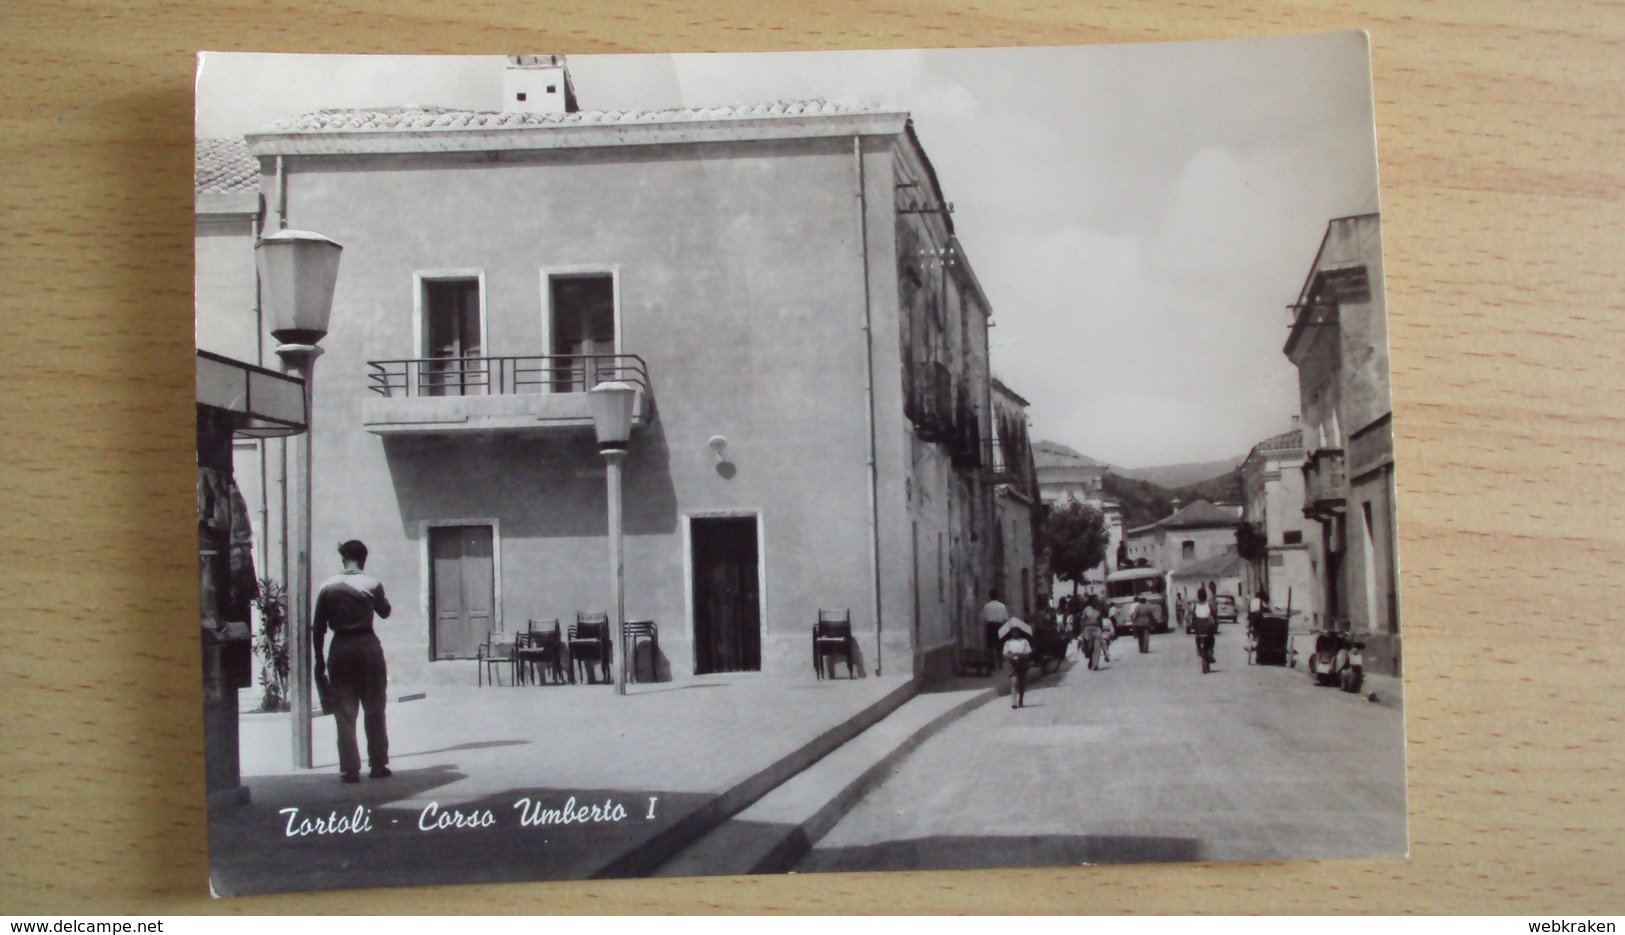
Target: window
451,340
582,325
1292,537
1187,550
521,95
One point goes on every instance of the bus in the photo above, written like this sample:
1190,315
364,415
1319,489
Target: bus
1123,586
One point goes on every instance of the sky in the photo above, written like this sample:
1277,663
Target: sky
1139,215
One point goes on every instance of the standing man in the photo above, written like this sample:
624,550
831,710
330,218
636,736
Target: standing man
994,614
1143,620
346,604
1205,624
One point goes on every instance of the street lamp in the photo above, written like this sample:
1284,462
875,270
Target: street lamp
611,405
298,270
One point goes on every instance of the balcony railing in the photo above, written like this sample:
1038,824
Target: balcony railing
543,393
502,376
996,468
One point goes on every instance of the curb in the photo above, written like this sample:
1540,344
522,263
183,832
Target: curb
774,833
646,858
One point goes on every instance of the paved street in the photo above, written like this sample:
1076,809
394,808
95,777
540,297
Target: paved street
701,750
1147,760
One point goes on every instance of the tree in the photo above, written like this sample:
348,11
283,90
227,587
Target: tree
272,645
1075,535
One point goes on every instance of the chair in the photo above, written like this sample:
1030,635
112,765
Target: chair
631,632
589,642
492,654
540,652
832,636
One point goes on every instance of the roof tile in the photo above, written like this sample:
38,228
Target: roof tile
224,167
388,119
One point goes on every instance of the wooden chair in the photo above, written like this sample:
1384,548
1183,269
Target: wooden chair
540,653
631,633
832,636
589,643
491,655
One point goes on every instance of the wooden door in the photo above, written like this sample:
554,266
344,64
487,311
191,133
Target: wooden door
462,590
727,608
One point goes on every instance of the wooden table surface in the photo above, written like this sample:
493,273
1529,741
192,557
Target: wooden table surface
1499,133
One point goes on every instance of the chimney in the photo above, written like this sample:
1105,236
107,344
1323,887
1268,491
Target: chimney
537,84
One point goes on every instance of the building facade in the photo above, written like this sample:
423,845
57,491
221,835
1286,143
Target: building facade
1339,343
1272,476
1190,534
1017,510
783,286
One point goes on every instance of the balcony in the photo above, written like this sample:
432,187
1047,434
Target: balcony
509,394
1325,481
931,402
997,468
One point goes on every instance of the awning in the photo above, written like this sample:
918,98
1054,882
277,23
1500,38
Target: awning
262,403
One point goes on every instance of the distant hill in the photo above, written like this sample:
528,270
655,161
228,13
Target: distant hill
1226,488
1057,453
1144,502
1177,476
1147,494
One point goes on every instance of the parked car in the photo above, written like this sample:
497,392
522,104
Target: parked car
1224,607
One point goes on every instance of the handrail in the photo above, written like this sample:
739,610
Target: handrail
503,376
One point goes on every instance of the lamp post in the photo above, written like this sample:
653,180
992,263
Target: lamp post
611,405
298,270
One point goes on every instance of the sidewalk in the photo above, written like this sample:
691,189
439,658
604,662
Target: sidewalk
666,764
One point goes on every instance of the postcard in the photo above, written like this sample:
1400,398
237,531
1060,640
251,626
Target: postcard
678,465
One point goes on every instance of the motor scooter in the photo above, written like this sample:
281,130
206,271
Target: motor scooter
1338,660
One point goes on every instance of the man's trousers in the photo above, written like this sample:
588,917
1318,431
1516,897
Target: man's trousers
355,669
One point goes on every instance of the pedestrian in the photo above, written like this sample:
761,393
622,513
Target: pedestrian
1108,632
1255,611
1143,620
357,677
1016,645
1205,624
994,615
1093,640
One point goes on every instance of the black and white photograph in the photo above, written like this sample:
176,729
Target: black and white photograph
718,464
